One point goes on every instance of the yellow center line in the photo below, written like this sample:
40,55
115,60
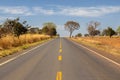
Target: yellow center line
59,76
59,58
60,50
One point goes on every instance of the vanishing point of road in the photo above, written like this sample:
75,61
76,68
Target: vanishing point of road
59,59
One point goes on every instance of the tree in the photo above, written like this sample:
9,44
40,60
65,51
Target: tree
78,35
19,29
52,32
45,30
14,27
108,32
8,26
118,30
49,29
92,28
86,35
71,26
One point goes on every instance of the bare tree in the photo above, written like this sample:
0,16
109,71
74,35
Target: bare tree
92,28
71,26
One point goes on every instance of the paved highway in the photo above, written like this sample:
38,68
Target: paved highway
59,59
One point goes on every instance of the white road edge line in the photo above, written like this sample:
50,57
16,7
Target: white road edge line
7,61
97,54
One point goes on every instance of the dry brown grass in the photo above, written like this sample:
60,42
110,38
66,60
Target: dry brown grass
11,41
11,44
111,45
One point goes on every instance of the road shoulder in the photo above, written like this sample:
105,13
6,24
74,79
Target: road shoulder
108,55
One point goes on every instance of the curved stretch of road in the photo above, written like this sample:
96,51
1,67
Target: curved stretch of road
59,59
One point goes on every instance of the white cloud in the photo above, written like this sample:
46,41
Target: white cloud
43,11
88,11
17,10
58,10
78,11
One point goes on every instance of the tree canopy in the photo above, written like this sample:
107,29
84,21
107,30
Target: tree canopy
49,29
92,28
13,27
49,25
108,32
71,26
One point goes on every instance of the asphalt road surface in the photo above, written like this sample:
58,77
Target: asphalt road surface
59,59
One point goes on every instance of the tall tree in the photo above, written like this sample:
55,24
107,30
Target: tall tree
118,30
19,29
71,26
92,28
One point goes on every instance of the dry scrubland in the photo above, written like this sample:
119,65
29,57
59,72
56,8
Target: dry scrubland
11,44
111,45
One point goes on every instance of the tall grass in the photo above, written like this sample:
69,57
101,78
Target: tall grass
11,41
10,44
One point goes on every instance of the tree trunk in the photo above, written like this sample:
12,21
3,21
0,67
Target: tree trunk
70,34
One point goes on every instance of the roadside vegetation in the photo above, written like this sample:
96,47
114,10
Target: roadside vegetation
107,40
110,45
16,35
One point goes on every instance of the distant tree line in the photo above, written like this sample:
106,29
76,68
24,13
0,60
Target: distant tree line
92,28
93,31
17,28
48,28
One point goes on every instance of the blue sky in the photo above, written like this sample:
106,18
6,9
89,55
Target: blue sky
37,12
